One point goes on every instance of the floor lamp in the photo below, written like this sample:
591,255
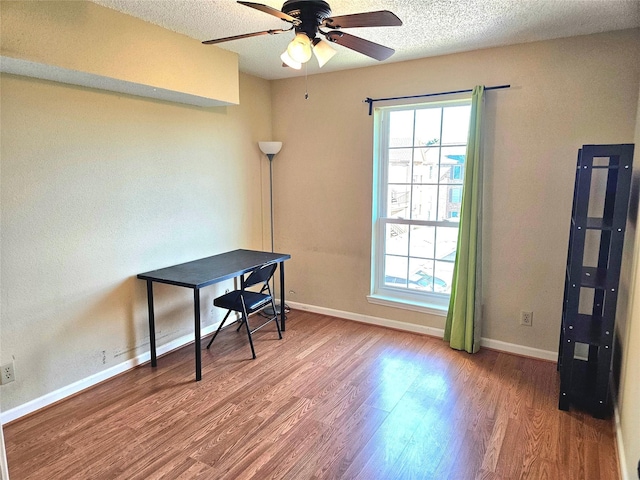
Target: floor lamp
270,149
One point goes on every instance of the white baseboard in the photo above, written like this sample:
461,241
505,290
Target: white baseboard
96,378
432,331
519,349
622,458
4,466
357,317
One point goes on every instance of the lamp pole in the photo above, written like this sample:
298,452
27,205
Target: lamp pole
270,157
270,149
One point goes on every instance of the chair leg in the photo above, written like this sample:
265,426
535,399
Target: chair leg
219,328
273,306
245,317
275,317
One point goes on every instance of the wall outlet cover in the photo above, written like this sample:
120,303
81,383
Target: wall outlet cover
526,318
8,374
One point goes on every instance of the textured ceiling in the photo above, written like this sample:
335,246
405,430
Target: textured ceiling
430,27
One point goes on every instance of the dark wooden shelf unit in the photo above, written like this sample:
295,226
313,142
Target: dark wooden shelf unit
594,257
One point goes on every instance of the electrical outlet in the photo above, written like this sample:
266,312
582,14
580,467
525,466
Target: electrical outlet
8,375
526,318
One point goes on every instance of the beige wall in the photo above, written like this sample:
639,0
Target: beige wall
629,323
564,93
97,187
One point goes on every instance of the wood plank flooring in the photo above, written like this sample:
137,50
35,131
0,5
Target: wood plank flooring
333,400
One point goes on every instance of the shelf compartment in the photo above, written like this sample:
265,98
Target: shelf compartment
589,329
598,223
583,393
593,277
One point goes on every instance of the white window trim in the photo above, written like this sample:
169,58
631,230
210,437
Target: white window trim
425,302
407,304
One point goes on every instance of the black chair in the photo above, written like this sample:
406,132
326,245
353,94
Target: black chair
247,302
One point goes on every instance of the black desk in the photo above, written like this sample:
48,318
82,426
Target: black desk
201,273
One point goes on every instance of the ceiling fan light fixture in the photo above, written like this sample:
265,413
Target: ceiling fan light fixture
290,62
299,49
307,18
323,51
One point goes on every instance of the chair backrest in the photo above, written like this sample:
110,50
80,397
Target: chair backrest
260,275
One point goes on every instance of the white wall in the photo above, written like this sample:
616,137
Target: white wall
628,319
564,93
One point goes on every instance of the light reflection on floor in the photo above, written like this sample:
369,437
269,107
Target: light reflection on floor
397,374
419,424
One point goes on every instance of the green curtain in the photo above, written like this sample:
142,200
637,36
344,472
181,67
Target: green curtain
462,329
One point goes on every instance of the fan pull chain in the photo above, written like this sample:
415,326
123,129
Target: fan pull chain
306,83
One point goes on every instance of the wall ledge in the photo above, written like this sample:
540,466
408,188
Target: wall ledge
17,66
86,44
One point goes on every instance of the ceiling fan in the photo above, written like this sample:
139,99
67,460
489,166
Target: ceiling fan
308,18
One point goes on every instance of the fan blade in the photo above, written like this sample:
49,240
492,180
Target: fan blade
271,11
370,49
246,35
382,18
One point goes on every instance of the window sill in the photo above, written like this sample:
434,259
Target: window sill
422,307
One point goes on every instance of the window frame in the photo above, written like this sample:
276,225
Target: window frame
381,294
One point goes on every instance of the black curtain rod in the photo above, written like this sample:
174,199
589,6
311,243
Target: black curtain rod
371,100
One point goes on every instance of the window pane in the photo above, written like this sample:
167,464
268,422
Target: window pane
450,202
443,276
398,201
424,202
446,243
428,127
455,124
452,163
400,165
421,274
401,128
455,194
425,165
397,239
422,241
395,271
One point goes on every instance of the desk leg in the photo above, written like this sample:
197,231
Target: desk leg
196,306
282,315
152,324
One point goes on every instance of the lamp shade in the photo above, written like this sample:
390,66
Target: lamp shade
323,51
300,48
270,148
290,62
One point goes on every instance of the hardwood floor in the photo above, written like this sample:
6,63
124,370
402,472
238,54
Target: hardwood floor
334,400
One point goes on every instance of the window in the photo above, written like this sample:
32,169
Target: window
420,162
455,194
